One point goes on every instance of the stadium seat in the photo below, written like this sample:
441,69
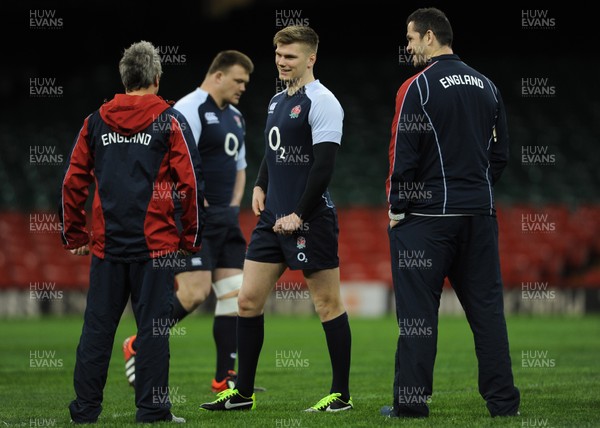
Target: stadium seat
561,257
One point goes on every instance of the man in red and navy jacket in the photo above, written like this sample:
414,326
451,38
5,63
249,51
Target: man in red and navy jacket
140,155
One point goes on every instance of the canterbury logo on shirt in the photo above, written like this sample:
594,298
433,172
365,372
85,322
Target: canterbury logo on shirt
211,117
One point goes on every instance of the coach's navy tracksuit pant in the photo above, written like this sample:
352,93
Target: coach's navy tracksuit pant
151,291
424,251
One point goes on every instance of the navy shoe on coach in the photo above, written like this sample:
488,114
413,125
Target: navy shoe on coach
177,419
388,411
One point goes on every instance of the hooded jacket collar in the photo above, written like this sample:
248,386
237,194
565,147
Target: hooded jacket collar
130,114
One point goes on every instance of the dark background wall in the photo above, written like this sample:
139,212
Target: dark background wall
361,59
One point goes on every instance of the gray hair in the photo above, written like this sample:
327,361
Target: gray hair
140,66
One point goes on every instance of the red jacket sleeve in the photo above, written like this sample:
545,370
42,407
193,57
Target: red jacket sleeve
186,172
74,192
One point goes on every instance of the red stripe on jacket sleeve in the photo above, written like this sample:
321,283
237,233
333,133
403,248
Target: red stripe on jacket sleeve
184,162
98,225
159,225
400,98
75,190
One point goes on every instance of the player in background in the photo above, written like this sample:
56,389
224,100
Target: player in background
218,129
298,226
450,139
129,146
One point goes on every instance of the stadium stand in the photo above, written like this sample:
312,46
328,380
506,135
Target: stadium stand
564,254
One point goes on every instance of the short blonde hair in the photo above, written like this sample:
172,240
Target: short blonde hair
297,34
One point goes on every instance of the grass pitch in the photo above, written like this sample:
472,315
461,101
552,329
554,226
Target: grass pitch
555,361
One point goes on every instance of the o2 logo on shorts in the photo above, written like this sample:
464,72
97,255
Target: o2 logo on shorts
301,244
302,257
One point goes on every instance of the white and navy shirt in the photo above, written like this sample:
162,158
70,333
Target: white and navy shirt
295,123
219,135
449,142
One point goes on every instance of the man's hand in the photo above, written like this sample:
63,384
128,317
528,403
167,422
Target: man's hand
84,250
393,223
182,252
258,200
288,224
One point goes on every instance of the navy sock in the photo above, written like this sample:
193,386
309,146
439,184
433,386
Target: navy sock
339,341
178,312
225,335
250,337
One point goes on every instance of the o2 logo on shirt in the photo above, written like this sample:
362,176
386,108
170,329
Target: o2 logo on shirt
289,155
281,155
275,135
232,145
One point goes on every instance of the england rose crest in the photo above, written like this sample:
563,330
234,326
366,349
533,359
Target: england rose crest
301,242
295,112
